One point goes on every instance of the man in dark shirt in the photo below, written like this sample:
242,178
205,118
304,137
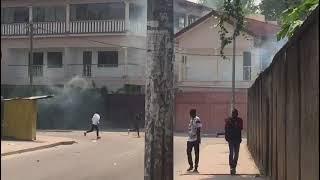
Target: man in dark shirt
233,127
136,123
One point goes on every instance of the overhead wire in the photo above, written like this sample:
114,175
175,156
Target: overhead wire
133,47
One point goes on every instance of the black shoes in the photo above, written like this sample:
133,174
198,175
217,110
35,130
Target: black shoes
233,171
195,169
85,133
190,168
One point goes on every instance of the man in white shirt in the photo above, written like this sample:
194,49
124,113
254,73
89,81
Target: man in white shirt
95,122
194,139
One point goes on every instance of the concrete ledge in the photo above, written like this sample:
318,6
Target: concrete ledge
38,148
9,147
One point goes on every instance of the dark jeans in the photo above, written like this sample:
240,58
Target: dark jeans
135,129
233,154
94,127
194,145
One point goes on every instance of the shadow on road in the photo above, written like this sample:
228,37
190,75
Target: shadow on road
224,176
228,177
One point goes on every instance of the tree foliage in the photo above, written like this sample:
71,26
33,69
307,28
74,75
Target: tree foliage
232,12
272,9
292,18
248,6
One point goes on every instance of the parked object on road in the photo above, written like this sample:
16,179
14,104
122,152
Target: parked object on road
194,139
20,116
233,127
95,124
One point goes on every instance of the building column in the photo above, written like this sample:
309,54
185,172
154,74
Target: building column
186,18
66,62
68,18
127,15
125,63
30,14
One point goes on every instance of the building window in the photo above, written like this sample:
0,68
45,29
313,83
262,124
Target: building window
97,11
246,66
136,12
108,59
54,59
87,61
49,14
179,21
37,64
37,59
14,15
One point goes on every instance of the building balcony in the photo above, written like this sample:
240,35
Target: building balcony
74,27
97,26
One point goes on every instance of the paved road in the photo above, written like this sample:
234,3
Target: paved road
116,156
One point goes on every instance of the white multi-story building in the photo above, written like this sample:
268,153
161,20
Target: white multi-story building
198,60
101,40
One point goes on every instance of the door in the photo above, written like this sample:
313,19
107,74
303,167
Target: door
87,61
36,64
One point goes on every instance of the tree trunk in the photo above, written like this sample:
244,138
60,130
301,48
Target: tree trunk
159,94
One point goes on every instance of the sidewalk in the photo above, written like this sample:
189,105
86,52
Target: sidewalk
213,163
9,147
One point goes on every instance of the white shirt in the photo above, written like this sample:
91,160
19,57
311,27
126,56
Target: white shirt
95,119
193,125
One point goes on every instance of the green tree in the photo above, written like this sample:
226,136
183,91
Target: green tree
248,6
292,18
232,11
272,9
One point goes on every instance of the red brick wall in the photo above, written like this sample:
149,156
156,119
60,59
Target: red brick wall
212,108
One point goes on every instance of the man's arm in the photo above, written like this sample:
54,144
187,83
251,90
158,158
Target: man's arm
198,135
199,125
241,123
226,129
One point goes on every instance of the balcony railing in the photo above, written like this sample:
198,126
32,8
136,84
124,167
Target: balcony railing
138,27
56,28
40,28
97,26
15,29
47,28
37,70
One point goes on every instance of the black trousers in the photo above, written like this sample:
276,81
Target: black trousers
233,154
135,129
194,145
94,127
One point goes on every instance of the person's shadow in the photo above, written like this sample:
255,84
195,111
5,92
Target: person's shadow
235,177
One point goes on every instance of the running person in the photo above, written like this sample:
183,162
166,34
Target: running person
95,122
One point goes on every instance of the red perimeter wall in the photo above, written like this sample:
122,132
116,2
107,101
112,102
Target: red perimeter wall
212,108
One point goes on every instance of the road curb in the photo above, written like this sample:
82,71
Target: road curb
38,148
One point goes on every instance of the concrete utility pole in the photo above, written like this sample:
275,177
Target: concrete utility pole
159,93
30,63
31,57
233,70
